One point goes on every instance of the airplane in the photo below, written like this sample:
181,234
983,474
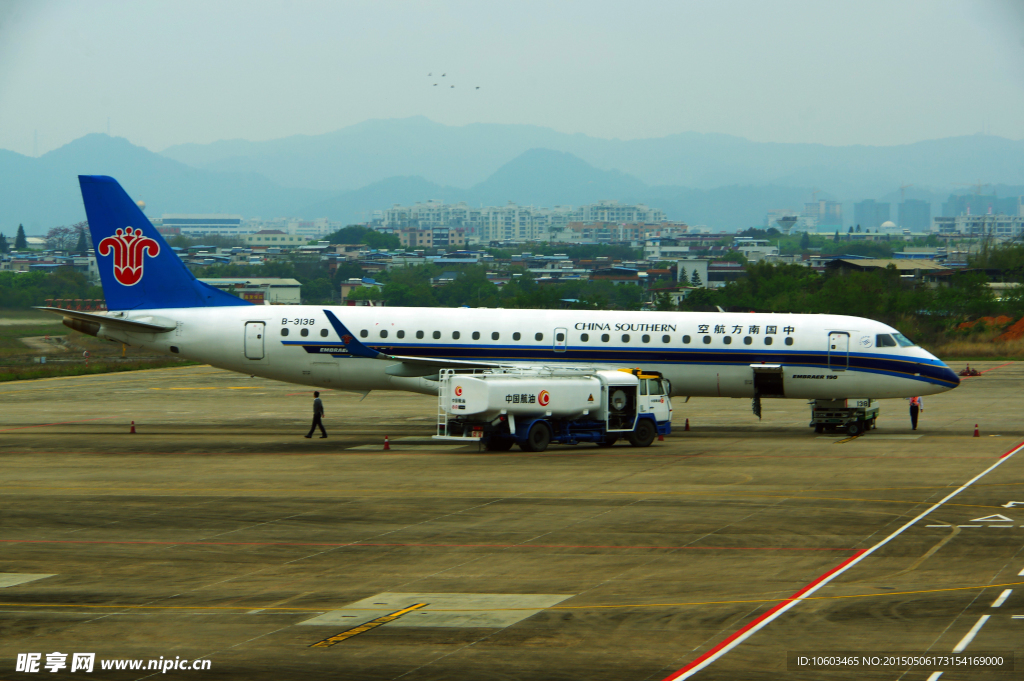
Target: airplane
154,301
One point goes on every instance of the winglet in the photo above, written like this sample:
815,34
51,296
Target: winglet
351,343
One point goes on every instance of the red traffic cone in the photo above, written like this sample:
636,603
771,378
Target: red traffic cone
687,427
661,438
132,431
976,434
387,445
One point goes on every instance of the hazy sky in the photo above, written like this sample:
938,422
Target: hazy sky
861,72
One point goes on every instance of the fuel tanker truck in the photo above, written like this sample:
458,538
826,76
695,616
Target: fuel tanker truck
535,407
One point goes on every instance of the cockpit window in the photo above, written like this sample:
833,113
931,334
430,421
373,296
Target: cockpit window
884,340
903,340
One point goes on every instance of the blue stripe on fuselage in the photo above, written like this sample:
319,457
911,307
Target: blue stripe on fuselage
921,369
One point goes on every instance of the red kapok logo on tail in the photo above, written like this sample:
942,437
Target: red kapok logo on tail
543,398
458,391
128,247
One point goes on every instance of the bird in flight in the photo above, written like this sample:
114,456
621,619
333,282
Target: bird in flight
430,74
477,87
443,75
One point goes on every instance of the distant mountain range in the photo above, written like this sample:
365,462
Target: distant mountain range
464,156
717,180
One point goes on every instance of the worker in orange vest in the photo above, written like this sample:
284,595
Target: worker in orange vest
915,406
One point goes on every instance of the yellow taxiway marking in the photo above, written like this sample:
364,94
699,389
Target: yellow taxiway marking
372,624
682,604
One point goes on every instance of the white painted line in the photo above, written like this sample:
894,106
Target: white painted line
937,526
997,518
720,651
1002,598
1000,525
966,640
1021,573
968,525
1017,617
935,676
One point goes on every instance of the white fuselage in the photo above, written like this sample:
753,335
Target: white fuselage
702,354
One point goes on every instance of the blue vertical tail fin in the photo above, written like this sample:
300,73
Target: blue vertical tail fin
137,267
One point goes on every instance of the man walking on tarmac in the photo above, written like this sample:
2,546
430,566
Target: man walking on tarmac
318,412
915,407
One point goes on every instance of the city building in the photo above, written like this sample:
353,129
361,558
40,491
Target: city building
978,204
998,226
870,214
823,215
275,291
915,215
200,224
274,237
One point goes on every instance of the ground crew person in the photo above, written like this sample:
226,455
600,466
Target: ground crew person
318,412
915,406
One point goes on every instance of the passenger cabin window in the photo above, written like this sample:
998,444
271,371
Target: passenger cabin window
584,337
323,333
476,335
884,340
456,335
686,340
419,334
789,340
666,339
625,338
747,340
495,335
437,334
538,336
364,333
727,340
517,336
560,337
767,340
645,338
304,333
400,334
383,333
707,340
605,338
284,332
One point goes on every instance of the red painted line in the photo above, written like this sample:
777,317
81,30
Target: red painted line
994,368
372,544
59,423
1012,451
753,623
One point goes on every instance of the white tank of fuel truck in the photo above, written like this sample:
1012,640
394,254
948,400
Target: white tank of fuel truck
485,396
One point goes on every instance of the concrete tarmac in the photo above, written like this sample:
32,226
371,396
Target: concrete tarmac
217,531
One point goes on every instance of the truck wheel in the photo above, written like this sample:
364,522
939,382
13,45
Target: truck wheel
499,444
643,435
538,438
854,428
819,428
608,441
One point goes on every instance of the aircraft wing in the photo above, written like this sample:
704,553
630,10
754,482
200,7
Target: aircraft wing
356,348
145,324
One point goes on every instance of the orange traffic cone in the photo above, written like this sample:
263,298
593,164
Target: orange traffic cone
132,431
661,438
387,445
687,427
976,433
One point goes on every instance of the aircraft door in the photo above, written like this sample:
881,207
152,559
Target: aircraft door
326,374
254,332
561,339
838,350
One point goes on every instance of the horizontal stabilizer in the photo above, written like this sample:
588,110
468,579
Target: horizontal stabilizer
142,324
